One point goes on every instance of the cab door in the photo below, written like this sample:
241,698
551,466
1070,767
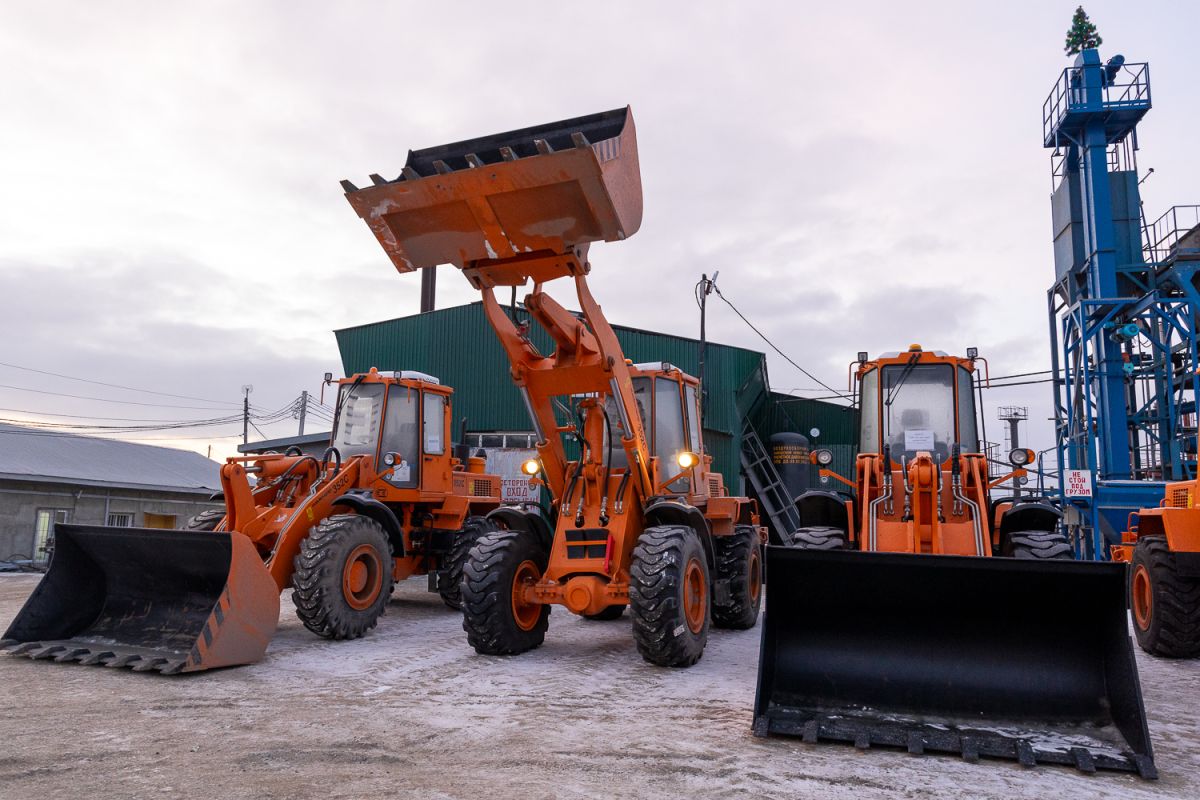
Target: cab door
401,435
433,441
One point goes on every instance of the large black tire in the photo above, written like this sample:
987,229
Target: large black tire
205,520
1165,604
1040,545
607,615
343,576
450,586
819,537
740,562
669,593
496,625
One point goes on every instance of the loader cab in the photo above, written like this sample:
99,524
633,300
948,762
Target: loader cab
396,417
917,401
668,403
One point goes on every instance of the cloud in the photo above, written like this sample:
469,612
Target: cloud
862,175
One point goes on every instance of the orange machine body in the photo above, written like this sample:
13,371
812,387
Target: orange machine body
429,492
921,482
523,207
1177,520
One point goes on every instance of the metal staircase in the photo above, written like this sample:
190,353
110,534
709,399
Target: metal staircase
774,497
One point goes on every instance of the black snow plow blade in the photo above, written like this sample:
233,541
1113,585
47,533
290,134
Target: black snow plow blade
152,600
996,657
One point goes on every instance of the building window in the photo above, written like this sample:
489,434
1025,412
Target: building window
158,520
120,520
43,532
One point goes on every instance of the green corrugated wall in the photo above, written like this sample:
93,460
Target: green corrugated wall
459,347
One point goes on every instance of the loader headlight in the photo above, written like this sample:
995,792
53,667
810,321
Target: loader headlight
389,459
1019,456
823,457
687,459
531,467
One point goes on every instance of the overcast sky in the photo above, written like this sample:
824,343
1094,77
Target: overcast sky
864,175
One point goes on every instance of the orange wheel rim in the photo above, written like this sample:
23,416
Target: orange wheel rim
362,577
755,576
525,614
695,595
1143,597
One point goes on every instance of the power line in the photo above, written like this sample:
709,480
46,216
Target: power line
776,349
115,385
104,399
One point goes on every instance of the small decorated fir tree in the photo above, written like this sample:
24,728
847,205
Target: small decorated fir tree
1082,35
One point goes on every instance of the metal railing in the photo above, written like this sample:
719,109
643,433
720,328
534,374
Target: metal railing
1163,236
1125,86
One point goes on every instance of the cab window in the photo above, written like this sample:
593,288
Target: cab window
359,411
435,424
401,435
669,435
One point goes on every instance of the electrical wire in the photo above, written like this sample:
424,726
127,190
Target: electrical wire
116,385
104,399
784,355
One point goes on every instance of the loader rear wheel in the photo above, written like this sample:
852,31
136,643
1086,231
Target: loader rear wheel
739,561
669,596
498,618
819,537
608,614
1165,604
205,520
1040,545
450,586
343,576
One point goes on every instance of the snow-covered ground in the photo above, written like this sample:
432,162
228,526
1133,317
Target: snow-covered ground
412,711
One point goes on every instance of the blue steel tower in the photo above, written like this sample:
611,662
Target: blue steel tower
1122,307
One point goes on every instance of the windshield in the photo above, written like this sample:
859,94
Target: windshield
918,409
669,435
641,397
357,429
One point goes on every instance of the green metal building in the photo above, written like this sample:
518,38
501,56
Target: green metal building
459,347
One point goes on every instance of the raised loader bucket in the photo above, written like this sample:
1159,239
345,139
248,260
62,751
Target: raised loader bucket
1029,660
171,601
545,188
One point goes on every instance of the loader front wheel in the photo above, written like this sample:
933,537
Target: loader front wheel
1041,545
669,596
450,586
819,537
1165,604
739,561
498,616
343,576
205,520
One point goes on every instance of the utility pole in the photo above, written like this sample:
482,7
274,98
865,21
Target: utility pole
303,409
246,390
706,287
1013,415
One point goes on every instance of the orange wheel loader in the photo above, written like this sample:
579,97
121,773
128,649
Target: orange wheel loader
642,520
1162,549
387,500
915,610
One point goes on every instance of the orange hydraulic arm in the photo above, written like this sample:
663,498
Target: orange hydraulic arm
587,359
276,529
522,207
